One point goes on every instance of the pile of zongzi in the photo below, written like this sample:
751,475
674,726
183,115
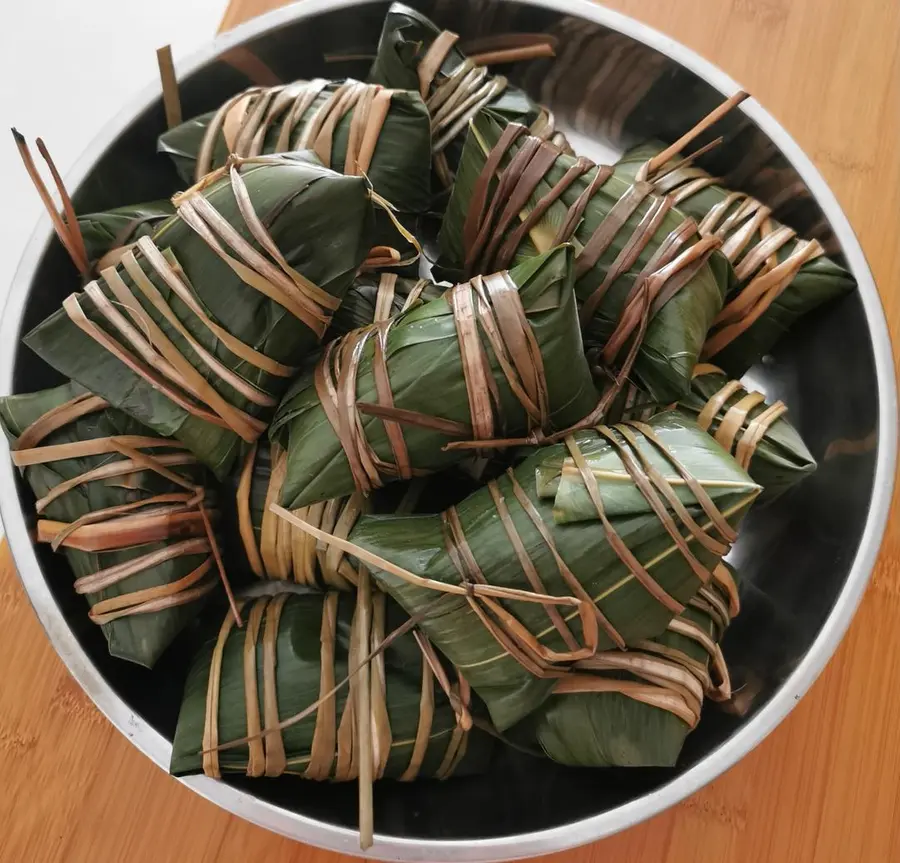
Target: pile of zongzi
417,520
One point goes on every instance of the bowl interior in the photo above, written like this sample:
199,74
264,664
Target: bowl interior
794,556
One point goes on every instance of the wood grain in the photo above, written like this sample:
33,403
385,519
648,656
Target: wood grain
824,788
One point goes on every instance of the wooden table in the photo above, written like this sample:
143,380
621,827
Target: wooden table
824,787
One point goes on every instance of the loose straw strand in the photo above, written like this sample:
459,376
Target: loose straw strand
169,81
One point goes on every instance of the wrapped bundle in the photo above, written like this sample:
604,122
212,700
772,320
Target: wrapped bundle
106,233
414,54
645,277
779,276
376,297
401,717
275,549
496,357
530,583
354,128
126,506
635,708
198,330
756,433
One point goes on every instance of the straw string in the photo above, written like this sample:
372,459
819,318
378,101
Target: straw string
180,519
65,224
308,115
144,347
742,418
668,678
276,550
453,99
661,497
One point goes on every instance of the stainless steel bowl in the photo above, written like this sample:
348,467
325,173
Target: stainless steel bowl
806,560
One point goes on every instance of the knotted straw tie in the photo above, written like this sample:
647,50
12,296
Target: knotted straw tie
454,99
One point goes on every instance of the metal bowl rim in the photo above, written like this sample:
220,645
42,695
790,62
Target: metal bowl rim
324,835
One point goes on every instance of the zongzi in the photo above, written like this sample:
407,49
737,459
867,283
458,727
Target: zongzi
198,330
635,708
525,596
762,441
415,54
355,128
276,550
496,357
126,506
779,276
289,657
641,266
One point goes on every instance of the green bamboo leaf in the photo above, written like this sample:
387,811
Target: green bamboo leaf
298,672
675,335
613,728
419,544
817,281
111,229
426,376
140,638
321,221
358,308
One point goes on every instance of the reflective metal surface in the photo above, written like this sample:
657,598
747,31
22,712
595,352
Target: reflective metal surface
805,560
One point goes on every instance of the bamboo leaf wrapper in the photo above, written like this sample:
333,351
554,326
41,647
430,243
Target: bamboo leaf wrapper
145,569
198,332
112,229
389,418
779,276
637,257
636,590
294,649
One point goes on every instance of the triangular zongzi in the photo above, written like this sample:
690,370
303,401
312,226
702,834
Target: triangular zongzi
491,359
640,263
635,708
523,595
198,330
756,432
779,276
127,508
415,54
292,653
354,128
